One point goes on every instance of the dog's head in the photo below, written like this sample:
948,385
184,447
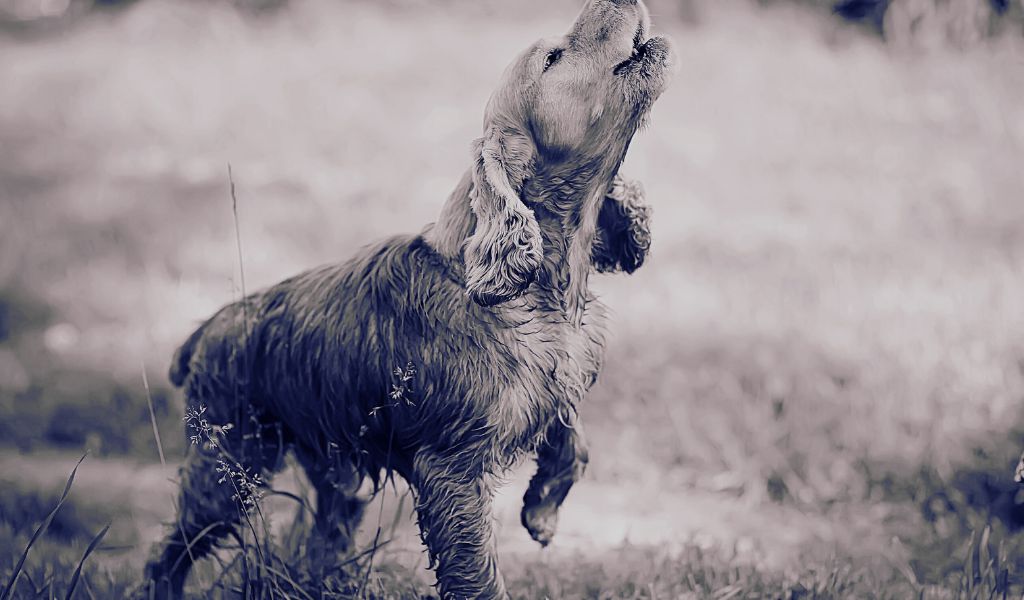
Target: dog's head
574,99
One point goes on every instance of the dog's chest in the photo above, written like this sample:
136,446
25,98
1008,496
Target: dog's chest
553,363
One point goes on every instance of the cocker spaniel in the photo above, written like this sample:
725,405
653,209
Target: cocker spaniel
489,306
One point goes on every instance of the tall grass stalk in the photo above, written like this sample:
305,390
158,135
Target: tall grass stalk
152,418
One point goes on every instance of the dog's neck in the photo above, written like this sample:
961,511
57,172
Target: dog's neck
566,200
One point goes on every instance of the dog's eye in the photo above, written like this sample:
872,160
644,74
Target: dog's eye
552,58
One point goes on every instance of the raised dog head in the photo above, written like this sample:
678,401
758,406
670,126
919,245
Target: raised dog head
572,100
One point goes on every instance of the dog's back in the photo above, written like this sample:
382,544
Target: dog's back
322,347
183,355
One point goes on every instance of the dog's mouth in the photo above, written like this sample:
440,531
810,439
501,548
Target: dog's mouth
641,50
640,38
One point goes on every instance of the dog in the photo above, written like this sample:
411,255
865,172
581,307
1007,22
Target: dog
489,307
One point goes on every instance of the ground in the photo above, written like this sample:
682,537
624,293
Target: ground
818,371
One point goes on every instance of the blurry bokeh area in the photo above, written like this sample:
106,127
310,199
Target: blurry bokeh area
823,356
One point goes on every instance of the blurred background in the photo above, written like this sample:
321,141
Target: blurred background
817,379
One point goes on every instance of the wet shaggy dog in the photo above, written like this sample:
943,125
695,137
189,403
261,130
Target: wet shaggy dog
490,305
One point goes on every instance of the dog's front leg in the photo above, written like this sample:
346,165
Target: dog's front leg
453,505
561,461
623,228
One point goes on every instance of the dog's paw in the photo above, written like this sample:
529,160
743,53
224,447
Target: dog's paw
639,242
541,521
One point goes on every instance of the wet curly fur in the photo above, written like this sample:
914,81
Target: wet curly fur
490,305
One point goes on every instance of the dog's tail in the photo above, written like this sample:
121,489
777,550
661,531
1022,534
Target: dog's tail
183,356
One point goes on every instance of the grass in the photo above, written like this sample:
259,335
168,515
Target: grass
634,572
836,271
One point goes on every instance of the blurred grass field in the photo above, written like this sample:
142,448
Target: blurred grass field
830,324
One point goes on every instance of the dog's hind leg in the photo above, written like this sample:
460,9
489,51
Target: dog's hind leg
561,461
339,509
220,483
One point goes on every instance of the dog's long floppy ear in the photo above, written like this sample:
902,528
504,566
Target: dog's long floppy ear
505,251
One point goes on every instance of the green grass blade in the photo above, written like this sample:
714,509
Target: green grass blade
78,571
39,531
152,418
